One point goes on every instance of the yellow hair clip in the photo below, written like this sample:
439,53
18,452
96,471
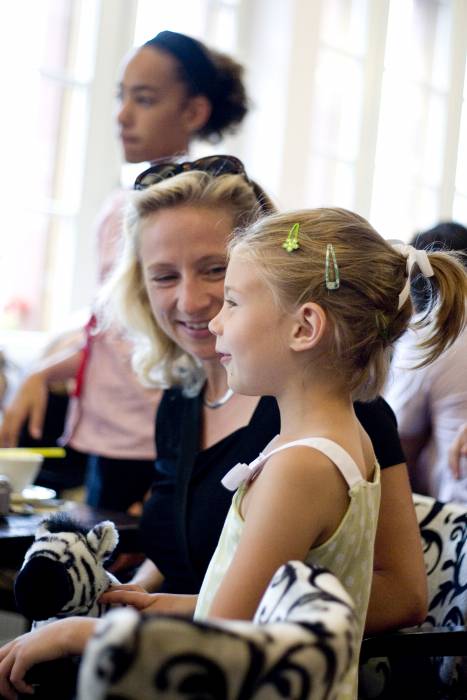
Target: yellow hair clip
291,242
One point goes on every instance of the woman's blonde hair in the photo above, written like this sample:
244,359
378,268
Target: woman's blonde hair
363,312
157,360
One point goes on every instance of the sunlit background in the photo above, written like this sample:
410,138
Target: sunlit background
356,103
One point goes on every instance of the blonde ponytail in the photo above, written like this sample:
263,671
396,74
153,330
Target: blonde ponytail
445,316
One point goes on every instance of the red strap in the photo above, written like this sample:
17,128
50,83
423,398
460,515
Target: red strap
88,330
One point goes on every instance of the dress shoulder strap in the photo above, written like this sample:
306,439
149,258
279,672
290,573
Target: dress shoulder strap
333,451
341,458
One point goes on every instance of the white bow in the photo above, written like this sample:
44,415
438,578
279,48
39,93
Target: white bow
242,472
414,257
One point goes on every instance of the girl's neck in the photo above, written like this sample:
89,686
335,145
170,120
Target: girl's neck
223,414
313,410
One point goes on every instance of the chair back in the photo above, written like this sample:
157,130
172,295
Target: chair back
413,662
443,527
301,644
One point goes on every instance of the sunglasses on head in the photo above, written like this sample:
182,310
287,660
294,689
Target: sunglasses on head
214,165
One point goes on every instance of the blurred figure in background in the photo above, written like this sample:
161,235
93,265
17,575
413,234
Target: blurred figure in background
431,402
458,453
173,90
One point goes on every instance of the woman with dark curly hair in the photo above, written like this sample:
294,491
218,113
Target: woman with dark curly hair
173,90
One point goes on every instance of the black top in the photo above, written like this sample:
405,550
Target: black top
183,518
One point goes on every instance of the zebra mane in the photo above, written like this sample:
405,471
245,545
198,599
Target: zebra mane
61,522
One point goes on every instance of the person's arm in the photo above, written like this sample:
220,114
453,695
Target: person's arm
399,591
457,451
148,576
286,513
409,393
267,541
412,446
399,594
30,401
57,639
137,597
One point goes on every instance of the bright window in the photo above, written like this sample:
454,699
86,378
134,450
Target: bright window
46,73
460,196
417,80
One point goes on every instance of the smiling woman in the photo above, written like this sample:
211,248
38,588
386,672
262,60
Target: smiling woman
183,253
180,228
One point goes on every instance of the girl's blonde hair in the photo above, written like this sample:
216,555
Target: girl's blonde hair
157,360
363,312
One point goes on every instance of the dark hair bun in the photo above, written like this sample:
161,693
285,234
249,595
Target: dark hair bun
232,103
210,73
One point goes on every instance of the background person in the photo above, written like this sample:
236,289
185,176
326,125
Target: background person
458,453
431,402
173,90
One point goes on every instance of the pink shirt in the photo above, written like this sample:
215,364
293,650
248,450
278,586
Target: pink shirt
116,415
431,400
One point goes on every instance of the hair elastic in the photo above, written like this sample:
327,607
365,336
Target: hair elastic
414,257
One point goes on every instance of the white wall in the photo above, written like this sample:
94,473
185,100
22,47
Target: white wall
102,160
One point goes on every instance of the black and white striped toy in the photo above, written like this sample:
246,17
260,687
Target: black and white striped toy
63,571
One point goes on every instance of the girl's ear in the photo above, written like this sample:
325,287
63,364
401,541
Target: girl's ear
309,326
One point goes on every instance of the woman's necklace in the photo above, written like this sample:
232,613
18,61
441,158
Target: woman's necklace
219,402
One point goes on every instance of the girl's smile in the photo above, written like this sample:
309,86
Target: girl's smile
243,328
224,358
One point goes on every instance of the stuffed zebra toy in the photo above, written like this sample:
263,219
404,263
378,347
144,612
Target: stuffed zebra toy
63,571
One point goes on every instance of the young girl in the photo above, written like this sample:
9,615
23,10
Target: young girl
313,302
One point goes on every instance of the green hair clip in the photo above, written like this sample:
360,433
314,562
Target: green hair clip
291,242
332,269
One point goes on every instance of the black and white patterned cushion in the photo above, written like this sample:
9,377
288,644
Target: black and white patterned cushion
443,528
300,645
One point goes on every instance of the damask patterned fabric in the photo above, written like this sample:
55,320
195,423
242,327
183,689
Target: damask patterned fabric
301,644
443,527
